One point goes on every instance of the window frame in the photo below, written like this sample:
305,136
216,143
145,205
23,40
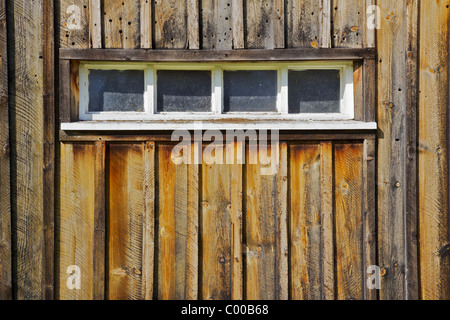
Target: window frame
346,68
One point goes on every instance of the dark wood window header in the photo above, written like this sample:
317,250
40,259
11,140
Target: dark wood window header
147,55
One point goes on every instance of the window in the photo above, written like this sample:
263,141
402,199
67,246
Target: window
202,91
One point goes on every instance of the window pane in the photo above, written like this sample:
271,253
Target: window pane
116,90
181,91
250,90
314,91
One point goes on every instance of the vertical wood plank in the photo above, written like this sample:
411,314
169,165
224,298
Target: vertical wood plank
391,113
264,24
411,130
327,220
146,23
305,222
26,136
217,24
348,23
433,177
237,15
370,34
64,91
99,221
304,23
192,243
148,221
76,215
75,17
216,232
170,24
369,212
325,24
5,203
282,261
237,290
172,217
350,276
193,24
49,149
121,24
95,24
125,203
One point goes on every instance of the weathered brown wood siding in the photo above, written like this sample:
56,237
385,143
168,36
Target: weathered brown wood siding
140,227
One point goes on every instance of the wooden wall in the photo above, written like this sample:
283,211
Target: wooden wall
412,180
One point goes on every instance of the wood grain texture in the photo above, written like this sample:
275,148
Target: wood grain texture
327,220
75,245
74,28
348,26
303,24
193,24
172,224
433,177
305,228
121,21
391,114
146,26
99,195
5,202
170,30
125,203
263,220
237,15
350,276
216,239
264,24
95,24
49,149
217,24
26,136
148,221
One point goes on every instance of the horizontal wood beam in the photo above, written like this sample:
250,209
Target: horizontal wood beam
146,55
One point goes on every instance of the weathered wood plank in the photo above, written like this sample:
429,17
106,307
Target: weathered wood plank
148,221
49,149
348,23
121,23
64,91
146,26
260,226
325,24
216,249
5,202
299,54
391,109
75,17
26,136
327,221
170,24
125,203
193,24
237,16
282,235
305,229
192,242
304,23
75,227
99,195
433,180
369,212
95,24
172,221
237,281
264,24
350,278
217,24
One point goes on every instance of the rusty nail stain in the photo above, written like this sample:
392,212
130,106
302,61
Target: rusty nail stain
344,185
398,184
314,44
439,150
355,28
382,272
137,271
205,204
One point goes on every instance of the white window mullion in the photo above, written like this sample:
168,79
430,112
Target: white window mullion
217,95
149,94
282,103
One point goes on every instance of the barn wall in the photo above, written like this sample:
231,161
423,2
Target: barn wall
412,226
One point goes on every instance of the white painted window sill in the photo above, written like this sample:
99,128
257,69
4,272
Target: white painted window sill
224,124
